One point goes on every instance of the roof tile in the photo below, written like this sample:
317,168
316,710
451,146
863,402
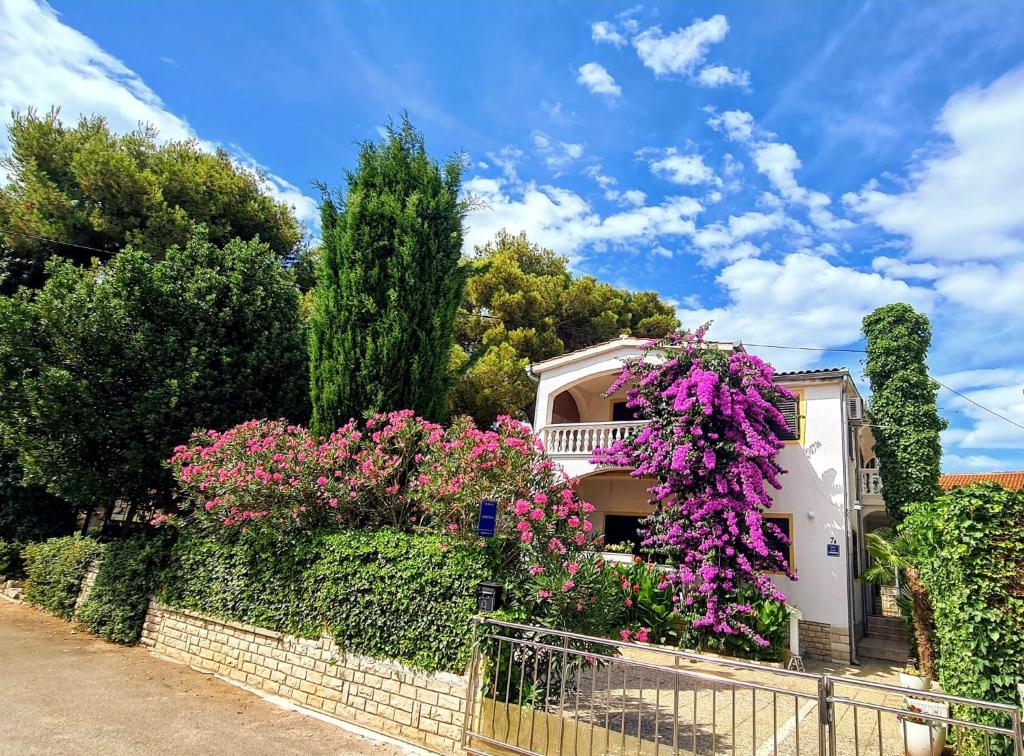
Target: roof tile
1013,480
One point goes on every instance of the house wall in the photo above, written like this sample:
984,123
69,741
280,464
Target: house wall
614,493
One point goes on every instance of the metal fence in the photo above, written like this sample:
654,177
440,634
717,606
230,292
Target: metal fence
540,691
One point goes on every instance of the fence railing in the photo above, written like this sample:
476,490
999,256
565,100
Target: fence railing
870,481
540,691
583,438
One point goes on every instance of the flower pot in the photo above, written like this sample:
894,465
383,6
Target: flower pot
915,682
922,739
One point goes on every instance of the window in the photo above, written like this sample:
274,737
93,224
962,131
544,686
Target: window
622,529
790,409
783,522
621,413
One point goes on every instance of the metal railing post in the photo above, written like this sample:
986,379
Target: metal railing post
826,733
474,661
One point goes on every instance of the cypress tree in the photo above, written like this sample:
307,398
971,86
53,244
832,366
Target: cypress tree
389,283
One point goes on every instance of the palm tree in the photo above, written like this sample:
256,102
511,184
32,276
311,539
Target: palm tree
891,553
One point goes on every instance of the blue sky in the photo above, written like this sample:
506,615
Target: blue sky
779,168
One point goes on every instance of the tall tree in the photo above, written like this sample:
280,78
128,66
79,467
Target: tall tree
389,283
523,305
906,420
104,370
85,185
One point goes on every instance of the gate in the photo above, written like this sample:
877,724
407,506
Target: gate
536,691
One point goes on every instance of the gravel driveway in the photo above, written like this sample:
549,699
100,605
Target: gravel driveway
67,692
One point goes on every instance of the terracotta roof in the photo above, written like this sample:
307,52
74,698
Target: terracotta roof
1013,480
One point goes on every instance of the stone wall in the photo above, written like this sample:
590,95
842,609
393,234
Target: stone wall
825,642
424,709
88,580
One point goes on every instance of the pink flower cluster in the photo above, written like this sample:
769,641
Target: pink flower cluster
711,443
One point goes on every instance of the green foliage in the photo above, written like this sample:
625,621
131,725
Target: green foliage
522,305
389,282
27,513
54,570
10,558
971,558
906,422
647,598
384,594
85,185
104,370
116,606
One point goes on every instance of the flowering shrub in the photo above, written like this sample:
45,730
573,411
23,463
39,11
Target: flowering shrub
651,614
267,478
711,443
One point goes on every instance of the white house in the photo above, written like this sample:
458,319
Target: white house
831,493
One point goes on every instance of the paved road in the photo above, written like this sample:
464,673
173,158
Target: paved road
63,692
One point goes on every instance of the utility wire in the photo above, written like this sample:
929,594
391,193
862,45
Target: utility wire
494,317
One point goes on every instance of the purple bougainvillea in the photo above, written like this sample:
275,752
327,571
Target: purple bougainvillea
711,443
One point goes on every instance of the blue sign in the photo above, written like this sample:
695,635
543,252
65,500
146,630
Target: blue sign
832,549
488,518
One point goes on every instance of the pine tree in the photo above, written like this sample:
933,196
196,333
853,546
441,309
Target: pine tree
389,283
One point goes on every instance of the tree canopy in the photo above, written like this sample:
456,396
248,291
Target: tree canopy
905,419
523,305
84,185
389,280
104,370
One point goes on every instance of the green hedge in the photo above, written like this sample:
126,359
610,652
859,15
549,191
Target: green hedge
54,570
972,563
385,594
116,606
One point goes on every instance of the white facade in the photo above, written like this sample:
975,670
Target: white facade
827,492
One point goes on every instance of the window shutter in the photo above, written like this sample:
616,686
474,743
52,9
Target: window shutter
790,409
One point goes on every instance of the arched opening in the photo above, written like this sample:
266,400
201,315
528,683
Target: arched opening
564,409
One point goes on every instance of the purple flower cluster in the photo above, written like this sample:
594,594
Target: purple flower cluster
711,443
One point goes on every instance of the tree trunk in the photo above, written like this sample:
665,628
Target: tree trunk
921,609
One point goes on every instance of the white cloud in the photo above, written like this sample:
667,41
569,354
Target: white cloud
564,221
999,389
899,269
634,197
965,197
602,31
801,300
722,76
985,288
952,463
557,155
684,49
737,125
47,63
596,78
687,170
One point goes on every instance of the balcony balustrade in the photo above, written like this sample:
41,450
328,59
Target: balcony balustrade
580,439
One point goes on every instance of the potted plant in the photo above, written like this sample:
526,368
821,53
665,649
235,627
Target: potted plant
922,736
913,678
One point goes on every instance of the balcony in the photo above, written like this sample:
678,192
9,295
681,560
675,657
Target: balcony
580,439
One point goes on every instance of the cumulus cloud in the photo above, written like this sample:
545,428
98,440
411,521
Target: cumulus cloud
596,78
565,221
682,50
999,389
737,125
556,154
802,299
965,195
721,76
48,63
686,170
602,31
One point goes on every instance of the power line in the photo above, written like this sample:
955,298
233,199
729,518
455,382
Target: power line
976,404
56,241
805,349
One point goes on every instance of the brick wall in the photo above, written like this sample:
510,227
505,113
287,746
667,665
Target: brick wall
88,580
424,709
825,642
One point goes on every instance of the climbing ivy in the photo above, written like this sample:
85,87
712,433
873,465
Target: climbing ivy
906,422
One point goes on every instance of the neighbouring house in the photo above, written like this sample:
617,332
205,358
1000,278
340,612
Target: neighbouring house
830,496
1014,480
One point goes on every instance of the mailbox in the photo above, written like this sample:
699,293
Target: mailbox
488,596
